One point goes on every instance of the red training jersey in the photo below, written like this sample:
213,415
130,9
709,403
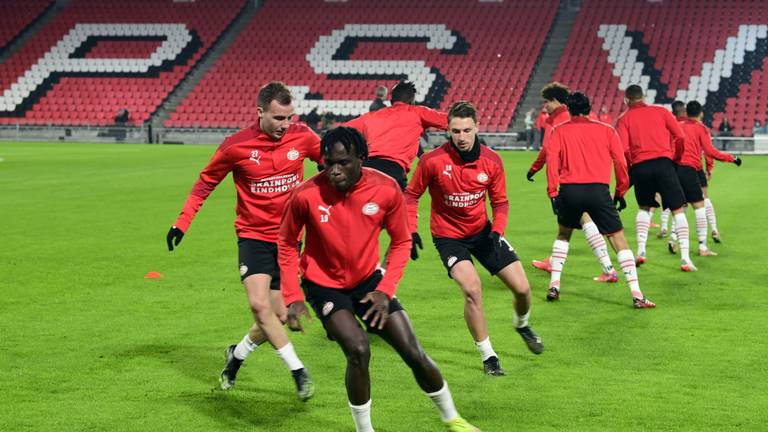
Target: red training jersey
393,133
265,171
605,118
458,191
648,132
581,151
541,120
341,247
697,140
559,115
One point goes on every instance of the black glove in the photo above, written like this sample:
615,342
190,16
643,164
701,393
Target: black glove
737,161
415,242
530,175
556,205
174,237
496,239
619,202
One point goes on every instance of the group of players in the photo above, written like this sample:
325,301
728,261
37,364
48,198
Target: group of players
363,188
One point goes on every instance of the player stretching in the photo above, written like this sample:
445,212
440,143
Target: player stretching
581,152
266,161
696,141
554,96
458,175
647,133
343,211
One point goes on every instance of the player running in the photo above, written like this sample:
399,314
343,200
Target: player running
343,211
579,158
458,175
267,163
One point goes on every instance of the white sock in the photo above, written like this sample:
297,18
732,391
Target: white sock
701,227
665,219
520,321
485,348
361,414
642,223
289,357
244,348
673,231
444,403
597,243
711,218
627,263
681,227
557,262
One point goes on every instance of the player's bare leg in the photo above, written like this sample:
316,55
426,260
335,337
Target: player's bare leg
465,274
514,278
399,334
628,267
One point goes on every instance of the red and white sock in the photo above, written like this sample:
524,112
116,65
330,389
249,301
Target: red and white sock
701,227
627,263
681,228
642,223
711,218
557,262
665,219
597,243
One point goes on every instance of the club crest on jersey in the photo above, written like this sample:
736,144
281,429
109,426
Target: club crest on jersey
482,177
293,154
327,308
370,209
325,213
448,170
256,157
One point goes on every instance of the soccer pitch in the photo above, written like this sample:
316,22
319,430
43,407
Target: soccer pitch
87,343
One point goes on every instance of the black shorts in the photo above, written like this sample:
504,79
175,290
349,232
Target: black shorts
480,246
702,178
327,301
595,200
258,257
689,181
390,168
657,175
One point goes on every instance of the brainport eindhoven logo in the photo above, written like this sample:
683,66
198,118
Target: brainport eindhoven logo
331,57
719,77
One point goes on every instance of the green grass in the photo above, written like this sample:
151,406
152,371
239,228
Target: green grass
88,344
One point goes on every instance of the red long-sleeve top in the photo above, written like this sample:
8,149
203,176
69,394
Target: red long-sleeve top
697,140
648,132
559,115
341,247
393,133
582,151
458,191
264,171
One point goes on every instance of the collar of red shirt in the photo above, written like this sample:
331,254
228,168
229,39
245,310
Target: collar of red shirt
260,134
559,110
640,104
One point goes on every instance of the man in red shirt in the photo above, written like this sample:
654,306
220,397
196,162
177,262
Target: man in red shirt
393,132
581,152
605,116
697,140
554,96
458,175
340,274
267,163
647,133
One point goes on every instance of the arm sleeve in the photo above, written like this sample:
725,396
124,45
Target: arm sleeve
395,221
313,146
623,131
619,163
499,202
414,191
287,250
710,151
432,118
553,164
541,158
217,169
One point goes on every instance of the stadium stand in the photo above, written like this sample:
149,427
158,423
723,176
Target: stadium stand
334,54
98,57
17,16
708,50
